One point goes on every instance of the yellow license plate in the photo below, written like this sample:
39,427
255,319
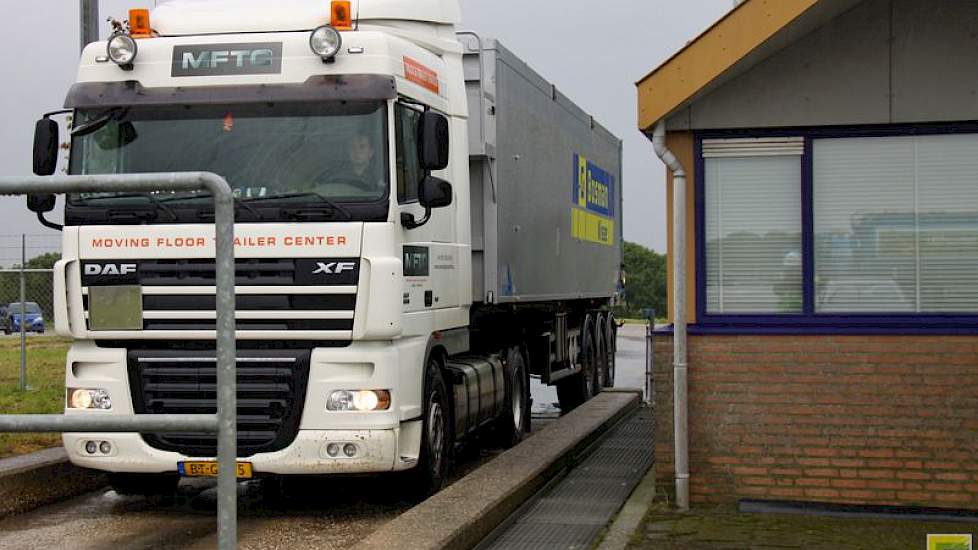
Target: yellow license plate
209,469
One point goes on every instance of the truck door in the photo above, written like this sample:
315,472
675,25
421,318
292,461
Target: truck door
431,263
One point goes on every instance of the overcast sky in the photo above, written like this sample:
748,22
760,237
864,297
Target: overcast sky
593,51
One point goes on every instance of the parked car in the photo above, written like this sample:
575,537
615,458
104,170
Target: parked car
33,317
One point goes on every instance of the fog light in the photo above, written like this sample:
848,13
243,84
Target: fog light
350,450
325,42
105,447
122,49
333,449
91,447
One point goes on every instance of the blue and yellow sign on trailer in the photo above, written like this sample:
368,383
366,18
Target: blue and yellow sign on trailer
593,214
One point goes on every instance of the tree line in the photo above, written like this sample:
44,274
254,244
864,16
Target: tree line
645,283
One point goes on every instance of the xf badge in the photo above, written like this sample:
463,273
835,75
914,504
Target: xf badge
334,268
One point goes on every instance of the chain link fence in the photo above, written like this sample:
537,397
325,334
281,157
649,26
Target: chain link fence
26,275
36,254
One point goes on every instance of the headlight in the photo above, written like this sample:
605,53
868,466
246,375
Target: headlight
359,400
122,49
325,42
83,398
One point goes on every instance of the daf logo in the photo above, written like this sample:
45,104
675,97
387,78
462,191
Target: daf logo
334,268
110,269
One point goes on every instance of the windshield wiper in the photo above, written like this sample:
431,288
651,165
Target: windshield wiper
155,201
300,211
238,203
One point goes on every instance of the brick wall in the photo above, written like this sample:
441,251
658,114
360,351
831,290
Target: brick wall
889,420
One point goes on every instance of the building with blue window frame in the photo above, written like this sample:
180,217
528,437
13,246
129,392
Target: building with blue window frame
826,209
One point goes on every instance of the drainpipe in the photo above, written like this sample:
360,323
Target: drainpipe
679,366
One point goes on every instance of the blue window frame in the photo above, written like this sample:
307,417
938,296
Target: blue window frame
809,320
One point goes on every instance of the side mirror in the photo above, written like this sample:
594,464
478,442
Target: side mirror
435,193
433,141
41,202
45,147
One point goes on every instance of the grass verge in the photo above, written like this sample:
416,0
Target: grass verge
723,527
45,393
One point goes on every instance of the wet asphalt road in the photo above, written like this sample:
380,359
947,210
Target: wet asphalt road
319,513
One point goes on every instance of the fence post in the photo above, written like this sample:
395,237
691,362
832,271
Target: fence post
23,314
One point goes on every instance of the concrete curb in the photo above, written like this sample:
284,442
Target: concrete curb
30,481
630,516
460,516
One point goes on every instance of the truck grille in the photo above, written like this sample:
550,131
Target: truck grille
271,393
178,295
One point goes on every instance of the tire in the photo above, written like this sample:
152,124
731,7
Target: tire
437,435
574,390
147,485
612,349
600,354
514,420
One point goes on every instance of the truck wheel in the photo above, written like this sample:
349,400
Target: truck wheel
575,390
600,355
514,420
147,485
437,441
611,330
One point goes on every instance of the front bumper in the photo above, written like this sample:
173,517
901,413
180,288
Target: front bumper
377,452
386,440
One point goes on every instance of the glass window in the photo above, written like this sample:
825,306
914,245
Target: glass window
408,168
896,224
29,307
753,234
337,150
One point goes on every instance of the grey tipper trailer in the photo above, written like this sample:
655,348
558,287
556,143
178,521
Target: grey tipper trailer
537,235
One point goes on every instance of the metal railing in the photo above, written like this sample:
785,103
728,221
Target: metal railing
224,423
649,316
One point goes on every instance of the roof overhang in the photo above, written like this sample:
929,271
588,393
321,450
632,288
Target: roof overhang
748,34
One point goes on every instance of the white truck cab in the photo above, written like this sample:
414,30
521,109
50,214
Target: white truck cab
366,342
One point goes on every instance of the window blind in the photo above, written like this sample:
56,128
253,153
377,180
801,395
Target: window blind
753,229
896,224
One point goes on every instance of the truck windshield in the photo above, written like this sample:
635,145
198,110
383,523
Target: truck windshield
327,156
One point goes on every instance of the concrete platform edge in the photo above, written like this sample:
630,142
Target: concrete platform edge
460,516
30,481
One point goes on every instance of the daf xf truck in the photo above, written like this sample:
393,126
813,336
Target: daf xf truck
422,224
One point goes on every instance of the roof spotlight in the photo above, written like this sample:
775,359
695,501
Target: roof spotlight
325,42
122,50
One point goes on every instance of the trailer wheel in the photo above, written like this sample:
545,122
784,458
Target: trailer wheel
437,442
147,485
611,330
514,420
575,390
601,355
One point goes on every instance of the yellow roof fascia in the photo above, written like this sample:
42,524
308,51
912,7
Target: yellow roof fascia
712,53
